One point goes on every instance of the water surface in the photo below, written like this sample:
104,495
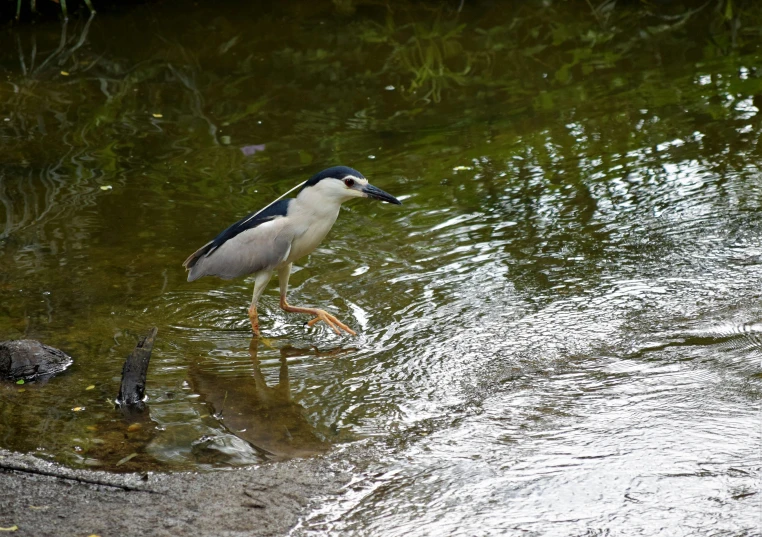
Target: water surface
559,330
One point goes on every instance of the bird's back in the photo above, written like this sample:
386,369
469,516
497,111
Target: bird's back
254,243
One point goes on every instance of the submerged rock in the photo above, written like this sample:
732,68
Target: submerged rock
28,359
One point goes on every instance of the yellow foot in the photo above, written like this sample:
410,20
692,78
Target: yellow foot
267,342
256,340
331,321
258,336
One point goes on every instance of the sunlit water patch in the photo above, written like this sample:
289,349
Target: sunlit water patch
544,430
559,330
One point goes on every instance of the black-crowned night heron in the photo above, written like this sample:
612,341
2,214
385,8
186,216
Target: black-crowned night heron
273,238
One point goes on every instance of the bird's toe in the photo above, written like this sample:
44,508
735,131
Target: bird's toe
331,321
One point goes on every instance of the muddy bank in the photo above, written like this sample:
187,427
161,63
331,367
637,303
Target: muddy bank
262,500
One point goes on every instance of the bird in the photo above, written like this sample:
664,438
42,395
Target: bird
273,238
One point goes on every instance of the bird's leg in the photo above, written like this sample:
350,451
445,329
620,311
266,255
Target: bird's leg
320,315
254,320
260,282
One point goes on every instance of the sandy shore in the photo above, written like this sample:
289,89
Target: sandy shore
262,500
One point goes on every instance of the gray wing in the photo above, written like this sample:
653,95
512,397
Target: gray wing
254,250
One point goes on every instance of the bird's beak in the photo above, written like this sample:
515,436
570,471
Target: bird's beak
378,194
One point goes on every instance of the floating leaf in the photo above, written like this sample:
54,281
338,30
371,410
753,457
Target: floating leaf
91,387
252,149
228,45
158,116
65,73
78,408
10,528
127,458
106,187
20,381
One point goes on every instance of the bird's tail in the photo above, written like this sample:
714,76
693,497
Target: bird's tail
190,263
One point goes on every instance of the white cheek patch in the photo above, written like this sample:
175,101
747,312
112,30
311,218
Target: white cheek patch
359,182
333,189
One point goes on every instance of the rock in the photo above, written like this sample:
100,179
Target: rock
28,359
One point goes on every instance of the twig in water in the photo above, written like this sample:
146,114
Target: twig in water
84,481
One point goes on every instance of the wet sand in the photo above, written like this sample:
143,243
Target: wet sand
261,500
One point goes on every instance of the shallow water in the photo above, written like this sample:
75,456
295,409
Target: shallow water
559,330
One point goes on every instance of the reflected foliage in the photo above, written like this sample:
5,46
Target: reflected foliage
545,149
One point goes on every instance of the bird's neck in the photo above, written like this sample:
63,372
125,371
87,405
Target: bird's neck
314,205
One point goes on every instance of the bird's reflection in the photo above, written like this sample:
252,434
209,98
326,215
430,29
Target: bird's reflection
264,416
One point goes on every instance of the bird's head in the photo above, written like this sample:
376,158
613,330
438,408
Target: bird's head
340,184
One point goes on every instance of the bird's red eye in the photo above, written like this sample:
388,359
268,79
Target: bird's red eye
349,182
